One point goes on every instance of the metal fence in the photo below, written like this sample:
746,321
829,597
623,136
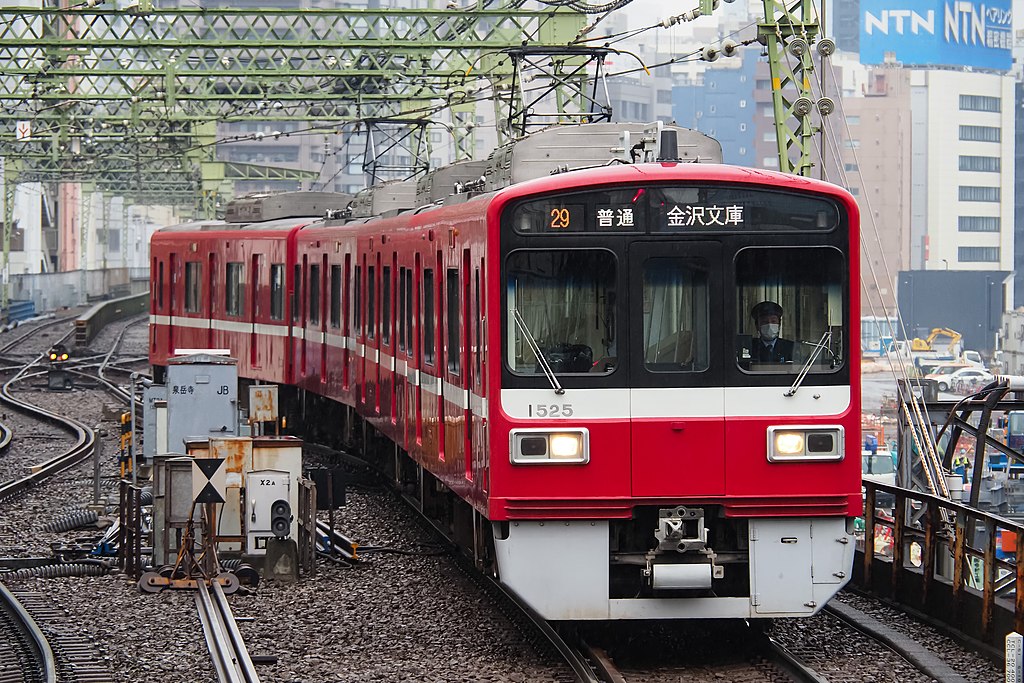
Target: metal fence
943,559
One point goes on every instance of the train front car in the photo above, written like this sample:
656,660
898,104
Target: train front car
679,395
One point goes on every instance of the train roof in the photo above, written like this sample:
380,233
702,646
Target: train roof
218,225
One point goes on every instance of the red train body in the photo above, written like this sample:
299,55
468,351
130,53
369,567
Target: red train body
568,368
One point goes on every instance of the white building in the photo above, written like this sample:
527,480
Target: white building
962,171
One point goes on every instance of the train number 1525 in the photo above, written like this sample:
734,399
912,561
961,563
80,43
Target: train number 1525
550,410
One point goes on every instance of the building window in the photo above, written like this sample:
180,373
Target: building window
978,224
850,167
770,162
983,164
978,254
974,193
277,291
743,127
981,133
234,299
769,136
193,280
851,143
980,103
853,120
855,191
743,104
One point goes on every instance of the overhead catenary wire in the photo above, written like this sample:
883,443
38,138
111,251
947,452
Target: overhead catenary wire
915,410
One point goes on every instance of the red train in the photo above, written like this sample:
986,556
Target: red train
630,390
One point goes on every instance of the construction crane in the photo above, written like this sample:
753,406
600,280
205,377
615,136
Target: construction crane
925,344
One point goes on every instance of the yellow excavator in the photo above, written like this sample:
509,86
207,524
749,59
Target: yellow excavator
925,344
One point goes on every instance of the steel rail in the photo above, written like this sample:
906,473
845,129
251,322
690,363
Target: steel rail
23,621
572,656
85,438
227,649
794,667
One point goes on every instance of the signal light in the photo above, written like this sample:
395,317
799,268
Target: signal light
281,518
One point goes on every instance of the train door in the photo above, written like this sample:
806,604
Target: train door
478,438
303,316
373,308
677,399
454,394
407,398
172,308
386,363
417,352
467,366
313,336
346,330
324,270
390,322
254,310
211,300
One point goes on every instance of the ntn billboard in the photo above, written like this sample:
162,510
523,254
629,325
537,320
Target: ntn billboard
937,33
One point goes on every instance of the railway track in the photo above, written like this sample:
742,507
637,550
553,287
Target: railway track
26,655
230,656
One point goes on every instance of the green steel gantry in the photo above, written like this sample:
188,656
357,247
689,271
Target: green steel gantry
128,98
119,96
788,32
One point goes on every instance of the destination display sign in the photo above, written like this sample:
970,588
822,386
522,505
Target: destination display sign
669,209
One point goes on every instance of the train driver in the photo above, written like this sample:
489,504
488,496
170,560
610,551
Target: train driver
767,346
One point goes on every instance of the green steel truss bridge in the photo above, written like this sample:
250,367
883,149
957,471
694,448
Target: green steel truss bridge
126,100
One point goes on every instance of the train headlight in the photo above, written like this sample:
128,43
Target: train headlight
549,446
810,442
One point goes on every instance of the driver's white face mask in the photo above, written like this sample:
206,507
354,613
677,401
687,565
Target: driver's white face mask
769,332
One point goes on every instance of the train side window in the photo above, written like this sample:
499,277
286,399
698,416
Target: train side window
296,293
452,320
408,309
277,291
385,303
357,309
234,301
336,296
402,307
477,324
160,287
428,316
371,302
314,294
193,279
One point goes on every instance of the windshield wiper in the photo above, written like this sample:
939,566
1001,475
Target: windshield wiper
541,359
823,343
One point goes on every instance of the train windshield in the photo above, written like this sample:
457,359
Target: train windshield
790,308
561,307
